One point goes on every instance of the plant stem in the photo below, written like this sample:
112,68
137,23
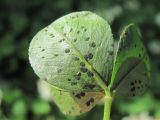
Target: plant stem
107,107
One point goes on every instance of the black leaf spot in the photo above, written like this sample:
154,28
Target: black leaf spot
85,30
77,77
133,94
83,69
90,56
82,64
132,84
140,81
111,53
79,74
83,94
43,50
78,32
73,83
88,103
87,39
79,95
51,35
92,100
56,55
135,45
75,40
59,70
67,50
90,74
133,89
71,30
69,79
76,58
93,44
62,40
64,34
89,86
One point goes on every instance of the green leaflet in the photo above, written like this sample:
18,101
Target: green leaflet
74,103
131,69
73,51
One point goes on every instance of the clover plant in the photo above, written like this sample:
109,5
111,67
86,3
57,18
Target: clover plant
77,56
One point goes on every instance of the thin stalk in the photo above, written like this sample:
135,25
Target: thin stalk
107,107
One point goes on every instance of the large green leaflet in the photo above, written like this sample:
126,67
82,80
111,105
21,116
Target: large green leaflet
73,103
131,71
72,51
77,51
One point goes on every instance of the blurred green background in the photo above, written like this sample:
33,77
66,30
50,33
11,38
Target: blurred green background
20,20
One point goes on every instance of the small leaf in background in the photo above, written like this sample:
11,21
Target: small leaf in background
7,46
157,19
19,108
11,95
142,116
132,5
110,14
18,21
40,107
154,47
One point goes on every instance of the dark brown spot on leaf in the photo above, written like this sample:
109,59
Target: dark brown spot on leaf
59,70
51,35
78,32
85,30
89,86
82,64
75,40
69,79
87,39
83,69
79,74
90,74
71,30
133,89
76,58
132,84
77,77
43,50
73,83
55,54
67,50
93,44
111,53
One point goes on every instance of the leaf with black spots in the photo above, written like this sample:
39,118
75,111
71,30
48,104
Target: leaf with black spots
77,42
131,71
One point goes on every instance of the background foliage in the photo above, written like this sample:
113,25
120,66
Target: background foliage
20,20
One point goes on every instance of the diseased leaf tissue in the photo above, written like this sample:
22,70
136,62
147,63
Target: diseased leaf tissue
76,49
